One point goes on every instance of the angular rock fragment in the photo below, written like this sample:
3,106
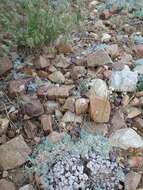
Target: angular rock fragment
13,153
70,117
57,77
81,105
42,62
124,80
98,58
99,109
69,104
126,138
51,106
46,122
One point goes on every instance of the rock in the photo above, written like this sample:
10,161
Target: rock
99,88
139,50
118,66
138,123
55,137
32,106
99,109
78,72
117,121
132,112
126,138
125,100
106,37
42,62
70,117
132,180
59,92
95,128
27,187
51,106
93,4
18,86
69,104
30,130
139,94
81,105
4,122
46,122
64,48
139,69
113,50
124,80
57,77
42,90
6,185
98,58
5,174
126,59
5,65
139,62
141,101
13,153
58,115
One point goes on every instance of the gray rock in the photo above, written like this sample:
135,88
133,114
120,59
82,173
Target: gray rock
124,80
99,88
126,138
139,69
6,185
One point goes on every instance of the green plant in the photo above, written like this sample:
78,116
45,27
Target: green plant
37,22
140,83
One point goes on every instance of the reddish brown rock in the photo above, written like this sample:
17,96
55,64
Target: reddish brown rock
5,65
32,106
81,105
42,90
99,109
4,122
57,77
30,130
46,122
69,104
13,153
6,185
17,87
59,92
139,50
41,62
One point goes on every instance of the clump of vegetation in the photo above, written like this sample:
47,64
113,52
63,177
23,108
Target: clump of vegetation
32,23
48,160
131,5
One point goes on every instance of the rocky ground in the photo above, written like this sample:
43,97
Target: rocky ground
94,83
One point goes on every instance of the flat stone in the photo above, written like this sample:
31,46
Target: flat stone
64,48
98,58
124,80
6,185
69,104
57,77
42,62
126,138
81,105
132,112
99,109
106,37
5,65
59,92
70,117
113,50
14,153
